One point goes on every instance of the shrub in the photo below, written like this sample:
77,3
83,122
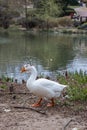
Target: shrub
65,21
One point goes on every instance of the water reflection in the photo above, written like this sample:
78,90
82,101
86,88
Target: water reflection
49,53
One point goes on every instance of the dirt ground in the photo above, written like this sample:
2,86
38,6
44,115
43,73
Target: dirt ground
16,112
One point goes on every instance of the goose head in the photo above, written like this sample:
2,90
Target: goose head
25,68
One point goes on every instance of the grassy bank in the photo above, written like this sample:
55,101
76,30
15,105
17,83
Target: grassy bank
77,82
60,25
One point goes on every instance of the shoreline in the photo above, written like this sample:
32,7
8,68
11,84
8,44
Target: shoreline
67,30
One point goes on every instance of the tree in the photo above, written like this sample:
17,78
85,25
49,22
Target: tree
73,2
47,8
65,3
4,14
52,8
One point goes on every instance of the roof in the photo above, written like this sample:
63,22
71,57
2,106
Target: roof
81,11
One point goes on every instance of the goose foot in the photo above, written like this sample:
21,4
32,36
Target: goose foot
37,104
51,104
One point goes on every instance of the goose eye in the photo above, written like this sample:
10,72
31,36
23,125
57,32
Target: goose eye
25,66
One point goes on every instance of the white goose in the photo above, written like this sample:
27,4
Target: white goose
42,87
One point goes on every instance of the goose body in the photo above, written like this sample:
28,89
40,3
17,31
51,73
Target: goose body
42,87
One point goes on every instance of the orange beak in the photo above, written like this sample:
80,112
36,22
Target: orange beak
23,70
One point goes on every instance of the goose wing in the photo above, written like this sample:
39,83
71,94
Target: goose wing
45,83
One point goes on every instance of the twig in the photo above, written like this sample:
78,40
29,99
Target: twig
4,93
64,127
22,107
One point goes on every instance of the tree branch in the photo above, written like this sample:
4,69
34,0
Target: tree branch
33,109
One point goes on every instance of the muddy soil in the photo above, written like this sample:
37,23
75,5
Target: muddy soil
16,112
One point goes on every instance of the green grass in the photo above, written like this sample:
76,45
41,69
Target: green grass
6,79
3,82
3,86
77,86
77,82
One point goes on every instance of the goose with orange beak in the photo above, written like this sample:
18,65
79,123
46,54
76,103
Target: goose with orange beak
42,87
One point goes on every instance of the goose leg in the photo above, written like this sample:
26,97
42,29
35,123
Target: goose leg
37,104
51,104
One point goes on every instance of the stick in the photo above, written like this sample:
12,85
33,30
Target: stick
22,107
3,93
64,127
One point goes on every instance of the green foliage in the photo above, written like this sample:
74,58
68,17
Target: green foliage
44,10
68,11
53,8
62,3
3,86
48,9
4,15
77,86
65,21
72,2
77,93
6,79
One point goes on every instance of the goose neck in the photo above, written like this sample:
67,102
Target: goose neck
33,74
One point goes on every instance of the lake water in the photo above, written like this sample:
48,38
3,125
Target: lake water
51,53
